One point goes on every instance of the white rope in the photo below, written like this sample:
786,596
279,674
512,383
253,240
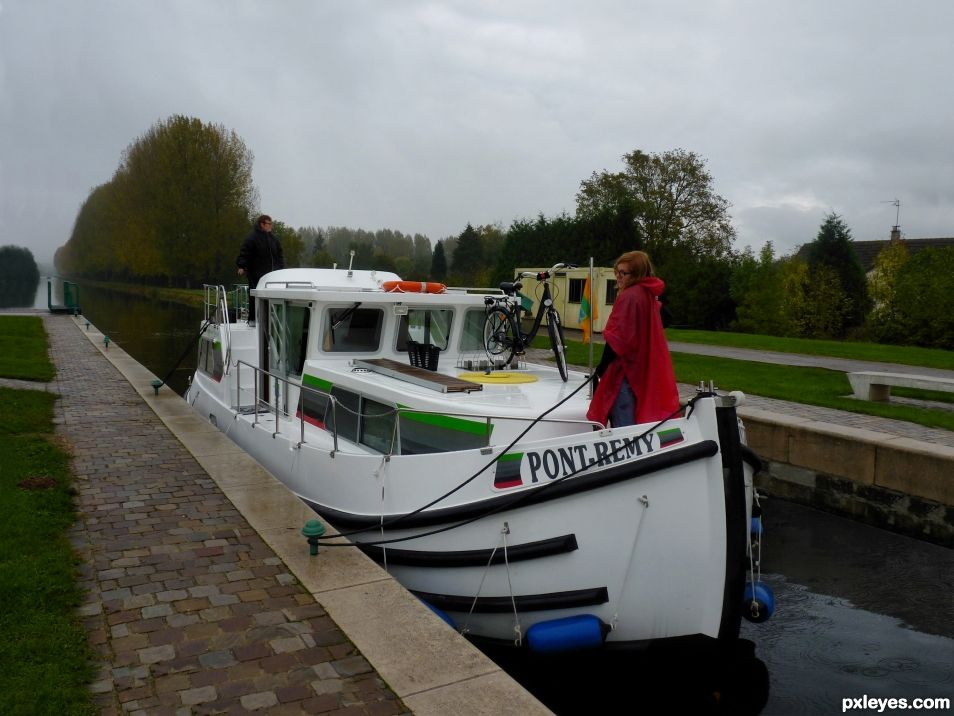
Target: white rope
753,579
505,530
379,473
644,501
518,639
758,561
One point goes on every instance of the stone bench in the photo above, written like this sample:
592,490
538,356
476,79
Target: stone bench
872,385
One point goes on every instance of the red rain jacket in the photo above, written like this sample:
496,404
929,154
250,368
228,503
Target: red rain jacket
635,332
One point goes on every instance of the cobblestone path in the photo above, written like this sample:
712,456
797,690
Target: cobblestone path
187,608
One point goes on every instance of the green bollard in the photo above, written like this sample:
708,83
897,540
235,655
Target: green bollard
313,529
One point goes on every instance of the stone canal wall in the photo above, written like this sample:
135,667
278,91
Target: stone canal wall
897,483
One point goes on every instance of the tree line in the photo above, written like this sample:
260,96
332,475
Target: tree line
171,214
182,198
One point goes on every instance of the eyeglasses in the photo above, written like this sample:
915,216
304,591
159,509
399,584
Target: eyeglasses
266,223
623,273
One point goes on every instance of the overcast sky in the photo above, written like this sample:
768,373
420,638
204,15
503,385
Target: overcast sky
423,116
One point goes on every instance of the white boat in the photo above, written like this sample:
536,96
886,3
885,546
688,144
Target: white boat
484,491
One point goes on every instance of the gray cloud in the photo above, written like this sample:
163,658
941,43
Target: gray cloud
422,116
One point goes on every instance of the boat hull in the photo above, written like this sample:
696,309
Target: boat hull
643,529
488,494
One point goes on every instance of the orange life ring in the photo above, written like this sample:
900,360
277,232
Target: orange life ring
413,287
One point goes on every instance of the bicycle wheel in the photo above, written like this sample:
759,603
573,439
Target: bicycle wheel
555,328
498,334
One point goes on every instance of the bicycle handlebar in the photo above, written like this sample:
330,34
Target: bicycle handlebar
544,275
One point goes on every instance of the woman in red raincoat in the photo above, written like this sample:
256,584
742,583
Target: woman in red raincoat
636,379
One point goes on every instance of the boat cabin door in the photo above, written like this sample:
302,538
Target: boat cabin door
284,348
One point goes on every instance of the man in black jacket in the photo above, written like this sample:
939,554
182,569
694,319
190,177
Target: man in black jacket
261,252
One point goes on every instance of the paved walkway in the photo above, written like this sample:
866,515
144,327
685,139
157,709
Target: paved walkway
187,607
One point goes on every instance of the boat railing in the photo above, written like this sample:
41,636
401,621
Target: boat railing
477,290
334,404
217,313
312,286
240,301
275,408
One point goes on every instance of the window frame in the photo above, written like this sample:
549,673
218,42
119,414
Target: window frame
327,330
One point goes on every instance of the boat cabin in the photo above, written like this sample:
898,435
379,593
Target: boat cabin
337,351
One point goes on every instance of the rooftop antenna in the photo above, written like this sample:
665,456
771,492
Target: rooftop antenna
897,215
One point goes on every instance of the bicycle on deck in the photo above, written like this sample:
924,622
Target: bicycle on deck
503,334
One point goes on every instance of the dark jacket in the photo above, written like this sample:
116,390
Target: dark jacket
261,252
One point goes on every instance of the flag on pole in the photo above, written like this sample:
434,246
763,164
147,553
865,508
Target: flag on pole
587,311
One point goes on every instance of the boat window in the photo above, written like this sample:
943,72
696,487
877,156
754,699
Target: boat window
314,406
352,329
370,423
210,357
472,337
344,417
357,418
431,326
377,425
296,327
287,337
427,433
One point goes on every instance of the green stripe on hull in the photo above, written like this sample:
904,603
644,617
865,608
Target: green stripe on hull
319,383
449,422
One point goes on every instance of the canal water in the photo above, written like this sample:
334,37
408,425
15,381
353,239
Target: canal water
161,335
860,612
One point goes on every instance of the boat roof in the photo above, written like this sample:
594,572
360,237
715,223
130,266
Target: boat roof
344,285
320,279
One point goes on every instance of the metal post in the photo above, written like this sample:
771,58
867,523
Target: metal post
238,386
334,416
255,421
592,320
277,391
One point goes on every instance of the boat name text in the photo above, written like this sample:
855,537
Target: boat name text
566,461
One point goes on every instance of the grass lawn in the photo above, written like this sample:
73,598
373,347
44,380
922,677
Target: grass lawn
45,662
809,386
44,656
23,349
880,352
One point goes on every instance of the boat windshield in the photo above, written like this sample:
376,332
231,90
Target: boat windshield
472,337
352,329
428,325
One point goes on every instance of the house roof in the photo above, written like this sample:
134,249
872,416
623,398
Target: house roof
868,250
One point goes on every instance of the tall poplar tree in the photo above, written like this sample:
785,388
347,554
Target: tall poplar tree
174,212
